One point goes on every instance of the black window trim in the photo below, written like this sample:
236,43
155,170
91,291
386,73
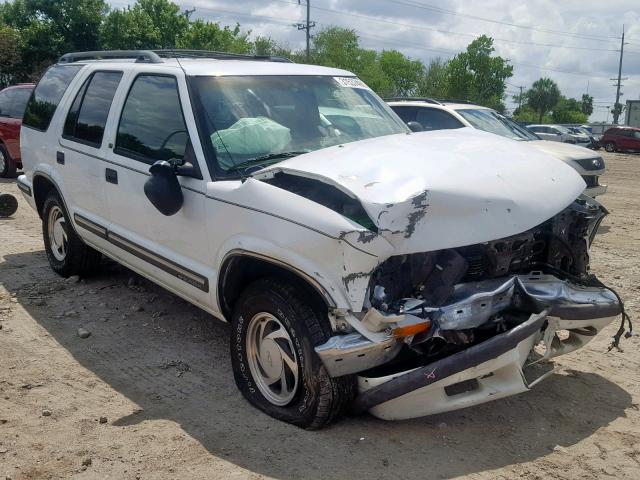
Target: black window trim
23,125
123,152
85,86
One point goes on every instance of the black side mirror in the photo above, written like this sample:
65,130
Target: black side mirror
163,189
415,126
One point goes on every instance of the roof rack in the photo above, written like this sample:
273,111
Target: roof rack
412,99
181,53
141,56
155,56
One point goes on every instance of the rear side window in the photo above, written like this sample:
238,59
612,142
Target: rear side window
47,94
20,97
407,114
5,103
152,125
88,114
432,119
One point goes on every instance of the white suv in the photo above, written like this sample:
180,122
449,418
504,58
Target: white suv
360,265
435,115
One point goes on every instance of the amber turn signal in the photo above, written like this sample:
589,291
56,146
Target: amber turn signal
409,330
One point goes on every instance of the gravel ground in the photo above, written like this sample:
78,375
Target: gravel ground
148,393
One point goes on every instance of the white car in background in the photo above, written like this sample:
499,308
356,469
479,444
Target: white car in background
437,115
559,133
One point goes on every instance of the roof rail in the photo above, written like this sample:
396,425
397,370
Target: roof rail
141,56
412,99
181,53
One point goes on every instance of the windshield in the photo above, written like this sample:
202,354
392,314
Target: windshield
492,122
253,121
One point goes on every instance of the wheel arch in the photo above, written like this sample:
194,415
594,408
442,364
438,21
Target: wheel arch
42,185
239,268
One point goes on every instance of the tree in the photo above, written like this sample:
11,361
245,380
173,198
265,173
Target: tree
404,74
543,95
148,24
336,47
586,104
568,110
478,76
203,35
434,82
10,57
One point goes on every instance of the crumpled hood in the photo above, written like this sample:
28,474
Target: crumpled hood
442,189
564,151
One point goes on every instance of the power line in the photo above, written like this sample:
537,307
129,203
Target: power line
424,6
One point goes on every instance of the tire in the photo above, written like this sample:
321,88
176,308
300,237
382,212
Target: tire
610,147
8,205
312,399
7,165
66,252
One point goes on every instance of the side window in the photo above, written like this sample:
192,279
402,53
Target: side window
88,114
432,119
407,114
152,125
5,103
47,94
20,99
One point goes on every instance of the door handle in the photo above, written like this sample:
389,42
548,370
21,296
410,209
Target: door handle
111,176
60,158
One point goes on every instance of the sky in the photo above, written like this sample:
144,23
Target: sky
574,42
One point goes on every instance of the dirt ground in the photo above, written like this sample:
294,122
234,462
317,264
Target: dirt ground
150,393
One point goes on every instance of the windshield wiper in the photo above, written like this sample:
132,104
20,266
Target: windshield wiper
265,159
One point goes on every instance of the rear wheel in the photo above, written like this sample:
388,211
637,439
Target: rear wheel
66,252
610,147
7,166
274,363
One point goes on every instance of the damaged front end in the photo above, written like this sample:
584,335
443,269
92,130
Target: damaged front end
456,327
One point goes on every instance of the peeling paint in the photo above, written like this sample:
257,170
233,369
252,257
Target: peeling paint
420,206
366,236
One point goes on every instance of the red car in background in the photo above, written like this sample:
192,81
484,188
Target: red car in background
623,139
13,101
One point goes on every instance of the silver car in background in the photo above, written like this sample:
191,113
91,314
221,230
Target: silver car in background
560,133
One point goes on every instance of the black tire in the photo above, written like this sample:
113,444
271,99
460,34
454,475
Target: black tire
8,205
9,168
610,147
79,259
319,399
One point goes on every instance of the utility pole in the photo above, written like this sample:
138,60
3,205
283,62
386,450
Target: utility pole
617,109
307,27
520,97
187,13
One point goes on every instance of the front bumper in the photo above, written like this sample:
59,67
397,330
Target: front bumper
497,368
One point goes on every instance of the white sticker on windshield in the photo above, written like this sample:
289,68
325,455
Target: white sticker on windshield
351,82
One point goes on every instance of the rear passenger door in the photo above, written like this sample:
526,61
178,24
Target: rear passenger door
173,250
81,149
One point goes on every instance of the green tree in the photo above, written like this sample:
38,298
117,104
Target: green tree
568,110
435,82
336,47
528,115
203,35
586,104
10,57
478,76
405,75
543,95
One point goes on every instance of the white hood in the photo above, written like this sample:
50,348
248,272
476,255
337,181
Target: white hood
443,189
563,151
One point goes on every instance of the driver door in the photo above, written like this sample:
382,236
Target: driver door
172,250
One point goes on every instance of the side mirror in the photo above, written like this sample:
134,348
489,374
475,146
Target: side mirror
415,126
163,189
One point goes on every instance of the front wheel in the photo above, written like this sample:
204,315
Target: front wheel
66,252
610,147
274,330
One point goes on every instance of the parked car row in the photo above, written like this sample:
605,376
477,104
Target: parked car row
432,114
363,265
